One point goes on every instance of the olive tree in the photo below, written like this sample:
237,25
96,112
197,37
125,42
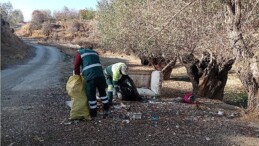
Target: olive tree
162,30
129,26
236,19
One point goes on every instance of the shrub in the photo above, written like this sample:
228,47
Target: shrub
46,28
74,26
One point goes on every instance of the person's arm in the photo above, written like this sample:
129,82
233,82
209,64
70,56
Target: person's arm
78,62
115,79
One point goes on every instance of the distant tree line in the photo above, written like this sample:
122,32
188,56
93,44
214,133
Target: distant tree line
40,16
8,14
43,18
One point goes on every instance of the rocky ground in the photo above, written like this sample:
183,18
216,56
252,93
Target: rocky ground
40,117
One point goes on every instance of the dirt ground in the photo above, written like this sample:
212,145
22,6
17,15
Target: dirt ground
43,116
166,121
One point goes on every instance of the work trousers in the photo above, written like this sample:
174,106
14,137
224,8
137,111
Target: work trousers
91,86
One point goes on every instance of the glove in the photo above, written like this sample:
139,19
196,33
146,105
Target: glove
119,95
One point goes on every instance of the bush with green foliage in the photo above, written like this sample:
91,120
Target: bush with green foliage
87,14
10,15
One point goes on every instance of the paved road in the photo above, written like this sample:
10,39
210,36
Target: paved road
40,72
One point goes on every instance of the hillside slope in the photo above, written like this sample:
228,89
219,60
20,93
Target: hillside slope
60,32
13,49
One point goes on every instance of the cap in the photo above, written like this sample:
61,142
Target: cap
124,70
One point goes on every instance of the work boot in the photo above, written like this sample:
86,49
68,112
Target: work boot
93,113
110,96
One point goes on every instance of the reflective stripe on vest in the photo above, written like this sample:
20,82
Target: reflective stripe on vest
85,54
90,66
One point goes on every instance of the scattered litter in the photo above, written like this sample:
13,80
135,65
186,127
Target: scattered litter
135,116
207,138
220,113
38,138
11,144
126,121
117,107
69,103
68,123
123,105
155,118
161,103
63,121
189,98
231,116
75,121
179,99
127,107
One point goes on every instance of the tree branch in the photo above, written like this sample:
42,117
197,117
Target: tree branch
172,62
230,7
163,27
237,13
250,13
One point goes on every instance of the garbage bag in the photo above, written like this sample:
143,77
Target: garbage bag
128,89
76,90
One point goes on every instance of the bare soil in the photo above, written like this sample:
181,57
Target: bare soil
40,117
13,49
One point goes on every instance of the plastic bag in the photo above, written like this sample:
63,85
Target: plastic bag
76,90
189,98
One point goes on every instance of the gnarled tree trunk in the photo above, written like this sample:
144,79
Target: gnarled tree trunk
160,63
144,60
243,54
167,70
208,76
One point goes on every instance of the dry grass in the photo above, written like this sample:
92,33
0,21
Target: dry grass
61,33
24,31
250,116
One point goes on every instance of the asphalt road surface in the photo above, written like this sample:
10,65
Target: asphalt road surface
40,72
